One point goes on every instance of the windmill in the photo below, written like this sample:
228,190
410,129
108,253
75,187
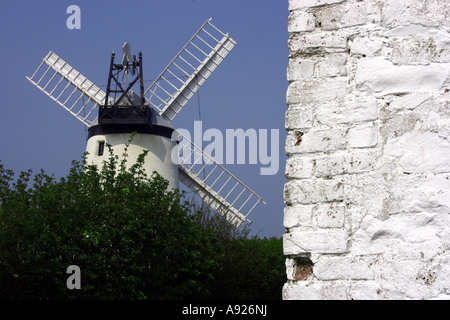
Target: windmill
112,116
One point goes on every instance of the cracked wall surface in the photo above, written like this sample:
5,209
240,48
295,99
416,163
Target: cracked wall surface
367,212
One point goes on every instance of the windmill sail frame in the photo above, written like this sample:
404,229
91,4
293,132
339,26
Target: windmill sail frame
68,87
219,188
188,70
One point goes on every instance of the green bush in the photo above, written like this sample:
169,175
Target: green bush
251,268
130,236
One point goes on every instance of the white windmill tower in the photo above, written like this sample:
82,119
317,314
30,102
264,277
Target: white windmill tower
112,116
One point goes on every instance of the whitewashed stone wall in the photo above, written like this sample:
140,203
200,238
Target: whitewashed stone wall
367,211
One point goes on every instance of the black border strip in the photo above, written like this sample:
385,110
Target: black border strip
129,128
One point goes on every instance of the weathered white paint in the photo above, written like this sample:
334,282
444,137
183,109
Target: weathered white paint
368,121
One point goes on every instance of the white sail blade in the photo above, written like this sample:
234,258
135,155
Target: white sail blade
218,187
188,70
69,88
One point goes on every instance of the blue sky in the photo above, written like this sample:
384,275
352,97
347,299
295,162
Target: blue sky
247,90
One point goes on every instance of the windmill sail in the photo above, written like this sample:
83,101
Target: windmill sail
218,187
188,70
69,88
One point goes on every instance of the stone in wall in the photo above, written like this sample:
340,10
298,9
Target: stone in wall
380,77
368,122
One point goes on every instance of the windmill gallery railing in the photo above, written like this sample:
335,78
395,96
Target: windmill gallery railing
124,114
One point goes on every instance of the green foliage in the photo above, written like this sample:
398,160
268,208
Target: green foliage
257,268
251,268
131,237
